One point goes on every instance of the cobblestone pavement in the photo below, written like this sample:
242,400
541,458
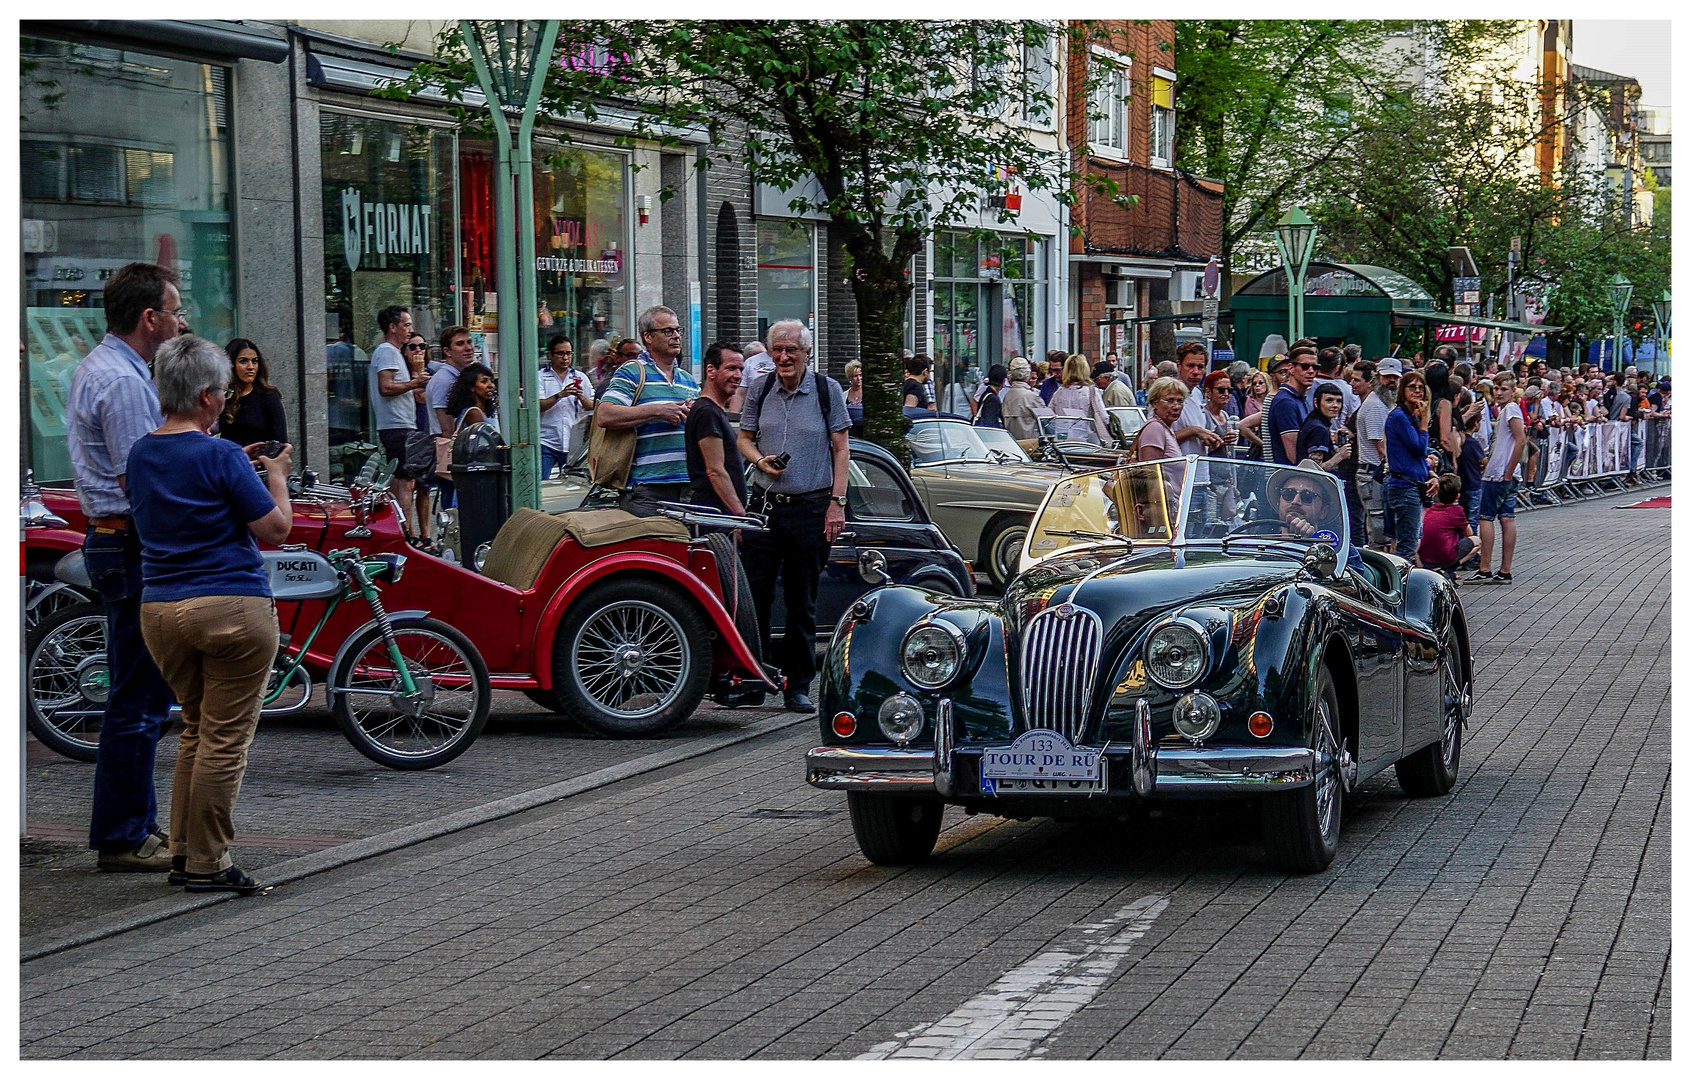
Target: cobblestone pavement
307,789
720,908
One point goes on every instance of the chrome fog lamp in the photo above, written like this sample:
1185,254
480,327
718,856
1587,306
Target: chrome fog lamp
1177,655
932,654
1196,716
900,718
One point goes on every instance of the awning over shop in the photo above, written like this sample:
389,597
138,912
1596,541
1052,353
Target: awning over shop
174,35
1445,318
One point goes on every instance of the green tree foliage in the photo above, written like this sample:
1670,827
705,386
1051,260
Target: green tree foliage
900,122
1264,107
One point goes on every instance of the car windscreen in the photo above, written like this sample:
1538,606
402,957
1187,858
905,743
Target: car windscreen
1192,500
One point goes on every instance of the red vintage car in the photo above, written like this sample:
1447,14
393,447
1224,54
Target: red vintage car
622,623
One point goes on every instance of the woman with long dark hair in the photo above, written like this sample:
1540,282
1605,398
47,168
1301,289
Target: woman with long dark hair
255,413
1442,430
471,400
1407,462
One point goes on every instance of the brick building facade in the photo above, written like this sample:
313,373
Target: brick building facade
1143,260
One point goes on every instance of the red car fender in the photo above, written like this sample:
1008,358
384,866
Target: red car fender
666,568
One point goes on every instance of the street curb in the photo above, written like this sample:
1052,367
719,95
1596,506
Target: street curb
384,843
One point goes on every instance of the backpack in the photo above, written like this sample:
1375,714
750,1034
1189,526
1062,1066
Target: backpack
992,412
824,398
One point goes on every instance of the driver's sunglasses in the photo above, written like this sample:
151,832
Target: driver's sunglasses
1301,495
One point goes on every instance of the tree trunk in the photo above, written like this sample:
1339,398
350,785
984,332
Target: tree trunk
882,291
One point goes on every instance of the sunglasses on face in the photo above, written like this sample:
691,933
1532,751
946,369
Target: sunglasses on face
1301,495
1306,367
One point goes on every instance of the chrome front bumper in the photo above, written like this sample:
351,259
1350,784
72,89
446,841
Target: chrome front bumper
1151,770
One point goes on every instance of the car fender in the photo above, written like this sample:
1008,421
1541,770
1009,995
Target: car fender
668,569
340,653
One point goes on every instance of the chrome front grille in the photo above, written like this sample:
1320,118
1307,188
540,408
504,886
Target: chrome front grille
1059,661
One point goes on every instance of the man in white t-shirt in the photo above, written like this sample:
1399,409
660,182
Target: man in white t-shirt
565,394
1191,429
1499,480
392,378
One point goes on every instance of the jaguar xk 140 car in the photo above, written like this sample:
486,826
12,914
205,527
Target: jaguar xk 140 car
1179,629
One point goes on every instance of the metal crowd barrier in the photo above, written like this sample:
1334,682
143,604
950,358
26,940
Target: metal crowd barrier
1598,459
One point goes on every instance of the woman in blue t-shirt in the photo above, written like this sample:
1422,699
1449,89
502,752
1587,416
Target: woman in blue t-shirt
206,612
1406,463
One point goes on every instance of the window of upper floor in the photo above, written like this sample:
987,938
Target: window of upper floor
1162,118
1107,108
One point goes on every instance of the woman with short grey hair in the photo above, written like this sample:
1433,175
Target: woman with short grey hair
206,611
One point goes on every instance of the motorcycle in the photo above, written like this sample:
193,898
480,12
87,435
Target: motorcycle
407,690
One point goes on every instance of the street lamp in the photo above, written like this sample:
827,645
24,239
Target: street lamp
1294,236
1620,294
1664,324
511,57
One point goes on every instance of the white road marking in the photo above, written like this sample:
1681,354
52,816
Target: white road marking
1026,1005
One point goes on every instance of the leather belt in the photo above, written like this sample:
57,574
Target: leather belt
780,499
114,521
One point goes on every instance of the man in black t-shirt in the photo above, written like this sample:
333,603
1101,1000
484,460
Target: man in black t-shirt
715,472
917,393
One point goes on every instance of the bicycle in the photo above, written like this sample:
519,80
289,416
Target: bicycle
408,691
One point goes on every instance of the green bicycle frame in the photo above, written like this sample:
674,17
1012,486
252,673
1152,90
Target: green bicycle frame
358,583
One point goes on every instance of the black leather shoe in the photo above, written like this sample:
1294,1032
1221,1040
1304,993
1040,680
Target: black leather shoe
233,879
800,703
178,870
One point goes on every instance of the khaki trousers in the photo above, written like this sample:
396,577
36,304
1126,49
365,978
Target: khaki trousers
216,653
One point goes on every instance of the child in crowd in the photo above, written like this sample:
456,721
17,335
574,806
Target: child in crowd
1446,536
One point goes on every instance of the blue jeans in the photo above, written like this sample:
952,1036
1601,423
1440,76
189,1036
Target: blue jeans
1471,506
1403,520
125,805
550,459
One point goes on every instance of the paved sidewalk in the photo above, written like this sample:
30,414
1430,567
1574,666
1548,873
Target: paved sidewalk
720,909
307,789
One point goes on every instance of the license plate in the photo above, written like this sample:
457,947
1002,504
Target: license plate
1042,762
1013,786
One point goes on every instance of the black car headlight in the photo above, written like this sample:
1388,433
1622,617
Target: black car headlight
931,655
1177,655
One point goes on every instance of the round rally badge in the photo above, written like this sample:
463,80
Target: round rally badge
1328,535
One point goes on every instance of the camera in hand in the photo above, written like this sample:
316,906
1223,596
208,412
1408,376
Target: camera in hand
782,460
268,450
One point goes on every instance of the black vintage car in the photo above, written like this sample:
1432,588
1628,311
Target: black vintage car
1178,629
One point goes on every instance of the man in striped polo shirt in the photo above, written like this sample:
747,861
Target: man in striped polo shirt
659,412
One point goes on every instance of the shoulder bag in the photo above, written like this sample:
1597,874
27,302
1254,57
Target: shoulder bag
610,451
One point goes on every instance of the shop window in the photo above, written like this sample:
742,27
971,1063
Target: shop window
100,189
988,294
786,273
388,239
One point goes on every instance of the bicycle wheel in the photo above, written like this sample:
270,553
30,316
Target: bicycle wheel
67,681
418,731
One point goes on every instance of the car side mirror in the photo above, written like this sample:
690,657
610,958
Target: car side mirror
872,567
1321,561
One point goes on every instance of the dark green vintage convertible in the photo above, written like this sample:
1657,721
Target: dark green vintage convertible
1178,629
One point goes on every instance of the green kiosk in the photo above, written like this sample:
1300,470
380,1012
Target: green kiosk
1343,302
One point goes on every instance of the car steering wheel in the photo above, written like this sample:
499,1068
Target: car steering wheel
1253,527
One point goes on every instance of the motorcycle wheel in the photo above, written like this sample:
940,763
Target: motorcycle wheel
365,690
65,669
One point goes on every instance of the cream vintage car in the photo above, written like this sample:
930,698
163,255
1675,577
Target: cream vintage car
982,494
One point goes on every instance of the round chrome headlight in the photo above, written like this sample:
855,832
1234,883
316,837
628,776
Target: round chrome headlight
932,654
1196,716
1176,656
900,718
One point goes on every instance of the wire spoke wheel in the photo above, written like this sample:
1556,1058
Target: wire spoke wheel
632,657
423,728
67,680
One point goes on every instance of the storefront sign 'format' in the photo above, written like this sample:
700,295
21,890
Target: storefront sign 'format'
377,228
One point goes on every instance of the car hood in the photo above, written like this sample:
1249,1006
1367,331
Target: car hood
1031,475
1127,590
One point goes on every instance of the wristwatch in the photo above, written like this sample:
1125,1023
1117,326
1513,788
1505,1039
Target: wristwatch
841,499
